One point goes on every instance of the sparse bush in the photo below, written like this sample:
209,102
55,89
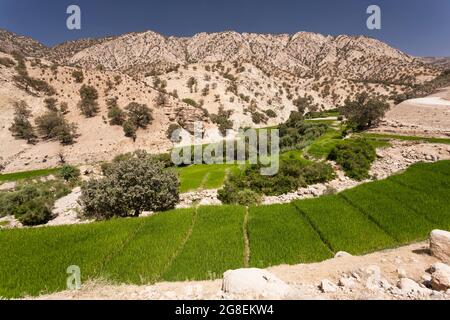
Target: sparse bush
69,173
50,104
129,129
222,119
116,115
88,103
139,114
190,102
246,197
170,132
78,76
31,203
130,187
53,125
21,127
270,113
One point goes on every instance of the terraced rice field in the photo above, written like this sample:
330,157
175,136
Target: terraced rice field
204,176
202,243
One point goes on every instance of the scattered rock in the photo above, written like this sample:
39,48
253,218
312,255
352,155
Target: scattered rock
412,288
326,286
401,273
254,281
440,245
347,282
440,276
342,254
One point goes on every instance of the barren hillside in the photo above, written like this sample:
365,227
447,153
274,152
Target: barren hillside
252,79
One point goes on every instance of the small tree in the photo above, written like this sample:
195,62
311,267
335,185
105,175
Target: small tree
364,112
88,103
130,187
48,124
139,114
53,125
21,127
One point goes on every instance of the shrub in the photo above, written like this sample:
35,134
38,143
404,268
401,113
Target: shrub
50,104
31,203
130,187
139,114
66,133
190,102
78,76
364,112
222,119
246,197
170,131
355,157
161,100
69,173
53,125
64,107
35,212
129,129
88,103
116,115
270,113
21,127
292,175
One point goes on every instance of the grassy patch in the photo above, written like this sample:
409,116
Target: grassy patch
322,146
216,245
381,136
7,177
278,234
204,176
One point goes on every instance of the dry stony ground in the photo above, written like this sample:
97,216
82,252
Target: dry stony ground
348,277
428,116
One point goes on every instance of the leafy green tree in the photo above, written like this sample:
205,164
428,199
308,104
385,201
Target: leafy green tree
130,187
364,112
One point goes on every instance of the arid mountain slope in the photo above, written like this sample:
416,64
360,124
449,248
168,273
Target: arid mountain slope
256,79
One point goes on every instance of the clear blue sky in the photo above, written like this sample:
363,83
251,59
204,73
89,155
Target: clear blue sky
418,27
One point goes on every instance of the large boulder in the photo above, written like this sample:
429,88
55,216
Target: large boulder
440,276
440,245
411,288
254,282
